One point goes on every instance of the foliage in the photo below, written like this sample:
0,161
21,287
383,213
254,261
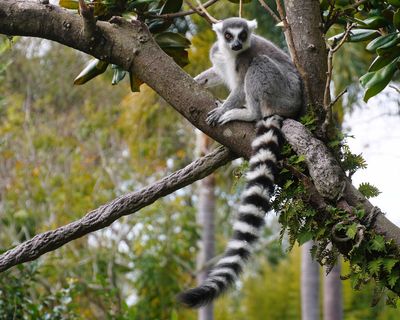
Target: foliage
18,301
68,150
378,24
371,257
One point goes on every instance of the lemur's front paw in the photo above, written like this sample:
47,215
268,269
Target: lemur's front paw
227,117
215,114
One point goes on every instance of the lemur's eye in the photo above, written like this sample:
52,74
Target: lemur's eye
243,35
228,36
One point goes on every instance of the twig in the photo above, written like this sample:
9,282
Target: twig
327,93
240,8
328,115
169,16
269,10
337,98
198,11
108,213
204,10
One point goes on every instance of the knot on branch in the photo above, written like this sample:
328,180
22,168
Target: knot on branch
369,219
357,238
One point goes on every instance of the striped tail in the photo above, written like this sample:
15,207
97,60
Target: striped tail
255,202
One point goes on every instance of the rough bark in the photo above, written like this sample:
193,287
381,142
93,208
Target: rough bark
108,213
309,284
131,46
304,17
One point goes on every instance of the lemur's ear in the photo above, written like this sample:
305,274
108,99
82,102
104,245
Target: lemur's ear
217,27
252,24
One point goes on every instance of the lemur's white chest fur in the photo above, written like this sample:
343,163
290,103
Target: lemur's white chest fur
225,65
224,61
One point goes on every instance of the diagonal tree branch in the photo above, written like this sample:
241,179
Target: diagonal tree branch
108,213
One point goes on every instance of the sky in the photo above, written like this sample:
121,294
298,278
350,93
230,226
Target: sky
376,130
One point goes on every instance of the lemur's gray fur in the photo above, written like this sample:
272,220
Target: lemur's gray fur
264,86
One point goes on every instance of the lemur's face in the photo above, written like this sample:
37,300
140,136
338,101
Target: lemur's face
234,33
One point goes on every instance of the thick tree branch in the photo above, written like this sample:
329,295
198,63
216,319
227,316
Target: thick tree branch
121,206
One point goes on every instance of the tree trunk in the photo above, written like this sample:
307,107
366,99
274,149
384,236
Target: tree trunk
333,301
205,218
309,284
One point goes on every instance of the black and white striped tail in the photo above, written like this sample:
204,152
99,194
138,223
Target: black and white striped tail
255,202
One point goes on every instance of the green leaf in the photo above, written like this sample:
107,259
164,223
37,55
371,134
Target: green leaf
92,70
384,60
388,264
69,4
373,91
303,237
158,25
368,190
375,82
171,6
300,158
388,47
357,35
366,78
287,184
393,278
395,3
351,231
380,41
374,266
377,243
172,40
118,75
396,19
374,22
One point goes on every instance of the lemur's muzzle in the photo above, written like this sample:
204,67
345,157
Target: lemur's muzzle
236,46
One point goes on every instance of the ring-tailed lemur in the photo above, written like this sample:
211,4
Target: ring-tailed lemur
264,86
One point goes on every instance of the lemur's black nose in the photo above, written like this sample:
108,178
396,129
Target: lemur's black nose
237,46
